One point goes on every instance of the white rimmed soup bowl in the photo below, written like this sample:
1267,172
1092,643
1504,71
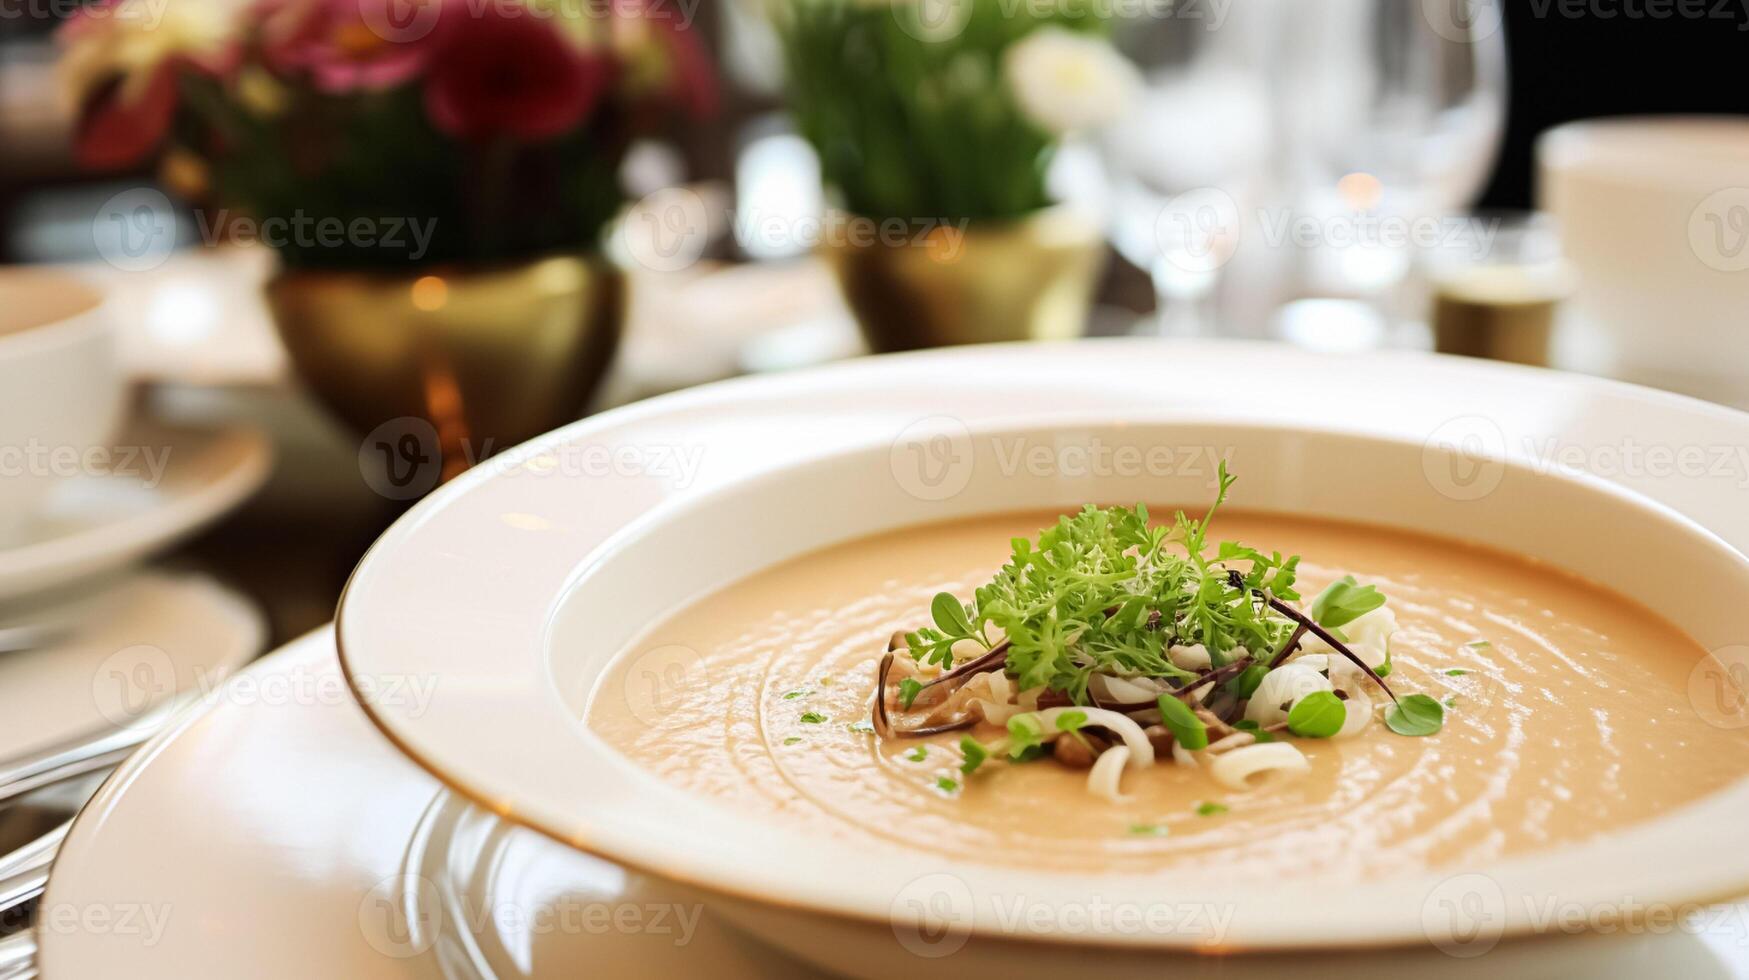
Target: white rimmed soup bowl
61,389
512,590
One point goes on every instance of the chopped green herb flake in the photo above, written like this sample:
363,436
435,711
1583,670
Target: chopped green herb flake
1148,830
1416,715
947,785
918,754
909,688
813,718
974,752
1319,714
1211,809
793,739
863,727
797,693
1456,672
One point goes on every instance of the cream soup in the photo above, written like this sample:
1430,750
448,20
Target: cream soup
1567,717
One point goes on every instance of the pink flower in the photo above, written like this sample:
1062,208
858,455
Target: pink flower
347,45
506,73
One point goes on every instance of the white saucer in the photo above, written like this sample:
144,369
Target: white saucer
162,485
269,836
152,635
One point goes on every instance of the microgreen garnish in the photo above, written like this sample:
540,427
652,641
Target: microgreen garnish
1107,594
1183,723
952,624
1456,672
1416,715
1317,715
793,739
1245,684
813,718
947,785
798,693
918,754
1344,602
1148,830
1210,809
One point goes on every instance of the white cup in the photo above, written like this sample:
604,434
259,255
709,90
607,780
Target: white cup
1654,215
61,389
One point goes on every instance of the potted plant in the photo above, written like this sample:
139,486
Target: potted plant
936,122
435,177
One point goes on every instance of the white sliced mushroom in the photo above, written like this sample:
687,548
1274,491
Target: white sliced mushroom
1234,769
1141,754
1358,715
1194,657
1107,773
1280,690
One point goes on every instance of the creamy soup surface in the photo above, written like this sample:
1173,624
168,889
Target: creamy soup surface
1572,721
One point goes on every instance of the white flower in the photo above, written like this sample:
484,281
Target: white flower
1065,81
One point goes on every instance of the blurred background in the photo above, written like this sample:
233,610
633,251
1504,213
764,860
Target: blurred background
392,237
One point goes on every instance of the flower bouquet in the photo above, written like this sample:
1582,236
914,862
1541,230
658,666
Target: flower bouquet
944,115
500,124
436,177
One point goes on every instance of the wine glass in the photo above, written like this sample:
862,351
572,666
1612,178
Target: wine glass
1265,138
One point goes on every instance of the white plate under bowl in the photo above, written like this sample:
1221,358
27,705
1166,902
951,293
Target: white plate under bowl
514,587
270,835
150,636
162,484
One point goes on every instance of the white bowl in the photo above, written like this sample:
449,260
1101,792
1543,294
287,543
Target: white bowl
512,589
60,386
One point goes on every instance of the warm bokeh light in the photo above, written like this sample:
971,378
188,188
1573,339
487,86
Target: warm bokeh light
430,293
1361,191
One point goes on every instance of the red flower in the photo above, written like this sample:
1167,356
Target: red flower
345,45
114,133
509,73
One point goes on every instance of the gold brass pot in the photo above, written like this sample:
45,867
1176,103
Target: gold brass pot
488,357
1031,279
